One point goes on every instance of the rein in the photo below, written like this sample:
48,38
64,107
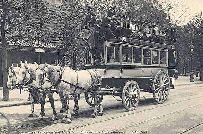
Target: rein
29,81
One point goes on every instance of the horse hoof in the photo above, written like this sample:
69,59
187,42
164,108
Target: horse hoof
62,110
41,117
30,115
93,115
54,118
66,120
55,121
75,114
42,114
100,114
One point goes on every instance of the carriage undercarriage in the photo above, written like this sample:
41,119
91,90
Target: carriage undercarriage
128,90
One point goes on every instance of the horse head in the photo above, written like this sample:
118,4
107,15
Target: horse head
40,75
54,73
24,76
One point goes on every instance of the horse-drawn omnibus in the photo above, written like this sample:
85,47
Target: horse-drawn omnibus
129,67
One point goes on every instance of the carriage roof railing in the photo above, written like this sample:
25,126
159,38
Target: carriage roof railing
138,44
116,50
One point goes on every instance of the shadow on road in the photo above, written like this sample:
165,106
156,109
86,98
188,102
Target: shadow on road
36,123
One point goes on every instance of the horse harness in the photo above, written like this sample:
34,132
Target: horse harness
95,81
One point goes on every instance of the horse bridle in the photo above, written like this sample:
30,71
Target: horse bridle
13,75
24,82
59,79
43,76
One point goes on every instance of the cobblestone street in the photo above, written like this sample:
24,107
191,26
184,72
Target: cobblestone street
180,114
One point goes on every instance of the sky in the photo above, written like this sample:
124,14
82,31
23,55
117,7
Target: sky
183,10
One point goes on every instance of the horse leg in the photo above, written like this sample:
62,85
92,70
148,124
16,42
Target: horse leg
42,103
95,113
29,97
63,102
67,118
76,106
51,100
32,106
98,109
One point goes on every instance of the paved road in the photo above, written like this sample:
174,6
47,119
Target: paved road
182,113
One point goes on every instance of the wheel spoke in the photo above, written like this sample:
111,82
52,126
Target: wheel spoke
131,87
134,101
127,102
91,100
130,103
127,92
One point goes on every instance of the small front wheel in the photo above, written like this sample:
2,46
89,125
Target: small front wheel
131,95
90,96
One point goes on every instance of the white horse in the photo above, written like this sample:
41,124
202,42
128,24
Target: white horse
44,90
29,75
68,81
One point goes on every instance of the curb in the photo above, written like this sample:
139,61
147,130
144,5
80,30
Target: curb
15,104
190,84
20,104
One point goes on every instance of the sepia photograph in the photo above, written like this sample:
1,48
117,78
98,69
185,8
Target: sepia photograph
101,67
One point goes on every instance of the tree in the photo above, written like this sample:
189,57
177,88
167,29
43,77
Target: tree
22,21
107,20
4,12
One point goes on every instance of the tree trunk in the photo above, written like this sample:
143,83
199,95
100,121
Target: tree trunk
5,75
4,52
201,67
201,74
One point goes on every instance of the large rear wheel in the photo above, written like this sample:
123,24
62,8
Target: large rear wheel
161,87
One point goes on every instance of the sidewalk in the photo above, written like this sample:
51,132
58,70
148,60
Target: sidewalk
17,99
185,80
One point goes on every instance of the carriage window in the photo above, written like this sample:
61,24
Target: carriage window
155,57
162,57
172,58
137,55
116,53
88,57
147,56
110,54
127,54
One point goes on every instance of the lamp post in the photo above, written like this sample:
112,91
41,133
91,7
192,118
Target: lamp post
191,63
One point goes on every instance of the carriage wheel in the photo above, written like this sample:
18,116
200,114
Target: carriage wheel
161,87
90,96
131,95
